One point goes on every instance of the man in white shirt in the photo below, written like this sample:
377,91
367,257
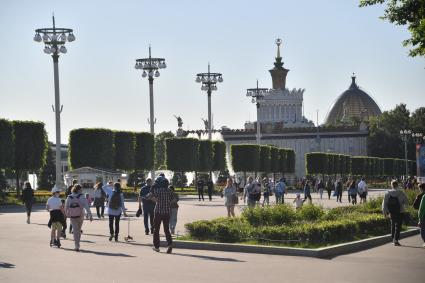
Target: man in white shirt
55,207
362,190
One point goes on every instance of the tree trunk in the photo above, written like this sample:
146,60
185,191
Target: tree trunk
18,184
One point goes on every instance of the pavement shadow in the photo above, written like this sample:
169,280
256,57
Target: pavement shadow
6,265
15,208
412,247
100,253
209,257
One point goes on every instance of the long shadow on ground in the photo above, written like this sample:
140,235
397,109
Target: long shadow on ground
6,265
100,253
209,257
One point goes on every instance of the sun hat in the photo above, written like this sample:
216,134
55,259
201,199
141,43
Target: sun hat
56,189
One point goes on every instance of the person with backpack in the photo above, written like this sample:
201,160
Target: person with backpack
75,205
148,206
362,190
394,205
28,199
338,190
421,213
57,214
320,188
68,192
115,208
280,190
162,196
174,209
99,200
266,192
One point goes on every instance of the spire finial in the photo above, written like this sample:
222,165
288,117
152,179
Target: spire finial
278,43
149,50
353,78
208,67
53,17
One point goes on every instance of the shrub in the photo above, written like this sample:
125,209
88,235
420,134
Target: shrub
271,215
310,212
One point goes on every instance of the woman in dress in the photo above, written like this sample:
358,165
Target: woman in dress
230,197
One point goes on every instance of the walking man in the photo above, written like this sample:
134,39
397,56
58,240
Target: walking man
200,188
162,196
394,205
210,186
280,190
148,206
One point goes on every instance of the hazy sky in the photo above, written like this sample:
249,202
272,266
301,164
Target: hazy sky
324,43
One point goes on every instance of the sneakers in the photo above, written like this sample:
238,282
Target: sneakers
51,243
116,238
28,220
58,243
397,244
172,231
155,249
147,232
169,249
110,238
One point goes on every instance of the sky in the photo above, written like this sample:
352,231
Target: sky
324,42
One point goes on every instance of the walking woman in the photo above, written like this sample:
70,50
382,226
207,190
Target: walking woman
115,208
99,200
75,205
28,199
230,197
174,209
352,191
307,191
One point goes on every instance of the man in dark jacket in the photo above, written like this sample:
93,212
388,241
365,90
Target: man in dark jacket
210,186
148,206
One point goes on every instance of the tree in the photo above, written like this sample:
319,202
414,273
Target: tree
91,147
417,120
358,166
160,149
283,163
406,12
182,154
30,147
124,150
245,158
265,159
144,151
6,144
316,163
219,159
290,161
205,163
179,180
47,176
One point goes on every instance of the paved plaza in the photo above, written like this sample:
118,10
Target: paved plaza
25,255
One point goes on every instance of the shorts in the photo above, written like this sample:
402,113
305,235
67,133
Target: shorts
363,195
57,225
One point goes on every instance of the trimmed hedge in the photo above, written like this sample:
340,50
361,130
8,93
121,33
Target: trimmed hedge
219,159
205,163
245,157
144,151
91,147
124,150
7,146
265,159
182,154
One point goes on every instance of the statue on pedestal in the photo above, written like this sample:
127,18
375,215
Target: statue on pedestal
205,124
179,125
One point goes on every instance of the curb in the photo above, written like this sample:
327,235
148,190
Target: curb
326,252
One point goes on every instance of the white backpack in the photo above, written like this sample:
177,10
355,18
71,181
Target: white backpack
75,208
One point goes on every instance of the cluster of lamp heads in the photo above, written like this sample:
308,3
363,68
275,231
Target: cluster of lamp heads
54,42
150,67
417,137
257,93
209,81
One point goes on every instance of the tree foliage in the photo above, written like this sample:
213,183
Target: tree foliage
406,12
124,150
205,163
144,151
274,162
91,147
7,152
160,149
245,157
219,160
316,163
47,176
265,159
182,154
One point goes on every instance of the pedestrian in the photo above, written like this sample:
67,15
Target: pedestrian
418,199
89,202
338,190
347,185
200,187
210,187
352,191
230,197
108,188
68,192
249,194
279,191
28,199
320,188
298,201
99,200
148,206
174,210
362,190
394,205
307,191
57,214
115,208
162,197
75,205
329,187
267,191
421,213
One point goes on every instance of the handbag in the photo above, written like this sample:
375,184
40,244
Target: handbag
235,199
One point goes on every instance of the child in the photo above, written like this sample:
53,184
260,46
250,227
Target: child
298,201
89,201
57,212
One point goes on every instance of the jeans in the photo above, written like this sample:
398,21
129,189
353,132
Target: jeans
117,225
173,219
396,221
210,191
100,210
201,194
148,217
279,197
339,196
77,223
165,219
329,194
354,199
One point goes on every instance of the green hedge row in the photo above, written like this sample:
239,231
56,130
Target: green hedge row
330,164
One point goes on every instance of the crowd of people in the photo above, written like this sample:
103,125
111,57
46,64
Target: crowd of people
158,202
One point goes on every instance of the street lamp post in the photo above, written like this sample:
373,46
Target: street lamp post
405,134
54,40
209,83
257,95
150,68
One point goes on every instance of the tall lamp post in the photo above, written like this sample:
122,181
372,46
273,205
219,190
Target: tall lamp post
405,134
54,40
209,83
150,68
257,95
